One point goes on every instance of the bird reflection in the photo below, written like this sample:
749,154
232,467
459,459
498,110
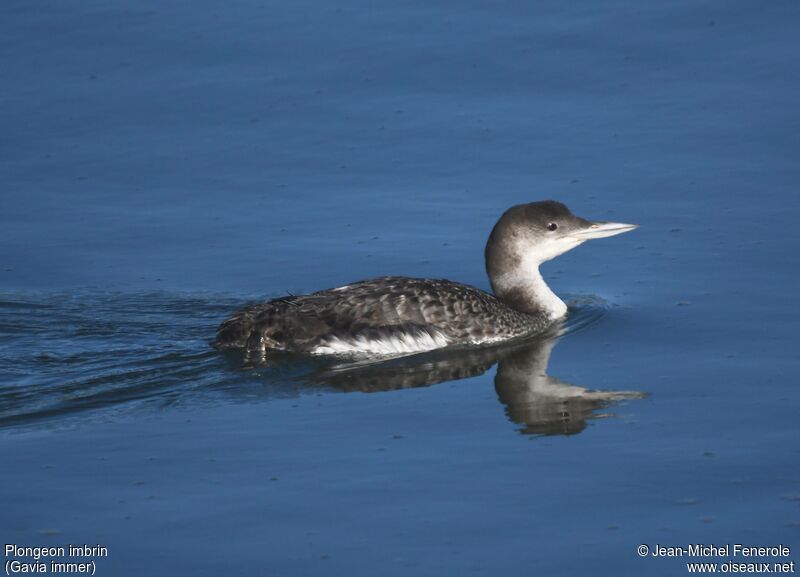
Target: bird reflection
544,405
538,403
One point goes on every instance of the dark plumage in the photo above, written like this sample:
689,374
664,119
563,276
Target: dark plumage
395,315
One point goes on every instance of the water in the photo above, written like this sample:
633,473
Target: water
161,165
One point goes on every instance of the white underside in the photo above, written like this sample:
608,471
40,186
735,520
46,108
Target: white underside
402,343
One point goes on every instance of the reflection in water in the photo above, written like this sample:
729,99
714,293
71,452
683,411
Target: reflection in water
540,404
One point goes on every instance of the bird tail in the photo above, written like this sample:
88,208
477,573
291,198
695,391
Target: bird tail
235,331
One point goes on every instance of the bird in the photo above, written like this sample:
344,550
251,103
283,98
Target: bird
396,315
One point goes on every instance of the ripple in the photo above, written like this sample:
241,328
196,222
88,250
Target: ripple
63,353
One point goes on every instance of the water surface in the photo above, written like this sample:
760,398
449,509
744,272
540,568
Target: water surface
162,164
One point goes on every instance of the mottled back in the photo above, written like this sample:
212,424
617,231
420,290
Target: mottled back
430,312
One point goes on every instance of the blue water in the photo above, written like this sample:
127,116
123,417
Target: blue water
162,164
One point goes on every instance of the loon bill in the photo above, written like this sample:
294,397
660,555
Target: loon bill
398,315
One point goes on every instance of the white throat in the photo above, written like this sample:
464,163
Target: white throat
527,284
543,294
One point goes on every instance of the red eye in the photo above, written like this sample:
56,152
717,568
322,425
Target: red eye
552,226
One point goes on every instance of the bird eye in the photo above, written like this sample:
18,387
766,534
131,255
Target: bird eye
552,226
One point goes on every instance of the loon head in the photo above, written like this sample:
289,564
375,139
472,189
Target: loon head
528,235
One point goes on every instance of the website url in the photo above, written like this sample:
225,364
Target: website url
730,567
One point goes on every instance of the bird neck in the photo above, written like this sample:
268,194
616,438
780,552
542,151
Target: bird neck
525,290
512,257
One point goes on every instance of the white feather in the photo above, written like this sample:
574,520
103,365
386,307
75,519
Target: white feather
402,343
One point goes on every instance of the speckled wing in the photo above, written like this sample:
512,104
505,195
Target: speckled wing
401,314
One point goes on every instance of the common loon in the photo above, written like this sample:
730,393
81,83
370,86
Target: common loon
398,315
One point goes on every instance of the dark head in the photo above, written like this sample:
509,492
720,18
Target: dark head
528,235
